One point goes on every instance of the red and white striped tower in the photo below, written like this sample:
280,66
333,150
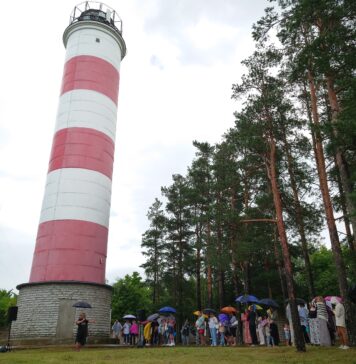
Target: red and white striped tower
72,235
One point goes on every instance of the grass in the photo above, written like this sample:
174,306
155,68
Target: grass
181,355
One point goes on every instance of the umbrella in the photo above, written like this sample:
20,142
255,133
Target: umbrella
328,298
247,298
129,317
299,301
82,304
223,317
268,302
197,313
228,309
257,307
207,311
167,309
153,317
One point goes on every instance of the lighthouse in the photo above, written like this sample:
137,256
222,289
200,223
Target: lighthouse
71,246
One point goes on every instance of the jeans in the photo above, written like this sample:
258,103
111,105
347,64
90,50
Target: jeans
222,339
213,336
185,339
270,341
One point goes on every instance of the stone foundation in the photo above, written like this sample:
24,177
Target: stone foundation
46,314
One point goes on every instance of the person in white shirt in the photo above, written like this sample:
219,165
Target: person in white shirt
213,326
339,312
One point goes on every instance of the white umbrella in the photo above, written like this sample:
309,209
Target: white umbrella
129,317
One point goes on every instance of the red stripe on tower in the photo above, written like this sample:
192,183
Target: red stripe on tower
70,250
82,148
91,73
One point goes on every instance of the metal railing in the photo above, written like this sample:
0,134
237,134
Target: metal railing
100,12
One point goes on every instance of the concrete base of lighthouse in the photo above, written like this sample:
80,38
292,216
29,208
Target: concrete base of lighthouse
46,314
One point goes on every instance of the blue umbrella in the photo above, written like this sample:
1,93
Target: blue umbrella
268,302
167,309
247,298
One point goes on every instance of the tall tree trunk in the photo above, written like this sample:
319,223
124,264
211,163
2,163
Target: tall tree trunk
351,240
350,308
299,215
221,288
340,160
334,238
198,279
220,273
198,234
233,246
279,265
209,271
247,279
272,175
269,288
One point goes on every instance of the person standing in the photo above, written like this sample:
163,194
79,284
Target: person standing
303,317
200,325
289,318
82,332
134,332
313,324
286,334
221,333
154,330
339,312
116,330
322,316
272,318
171,332
252,324
185,332
234,323
260,329
213,326
126,332
246,329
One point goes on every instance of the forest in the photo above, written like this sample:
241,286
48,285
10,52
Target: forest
270,210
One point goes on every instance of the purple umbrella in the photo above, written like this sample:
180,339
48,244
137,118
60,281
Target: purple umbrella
223,317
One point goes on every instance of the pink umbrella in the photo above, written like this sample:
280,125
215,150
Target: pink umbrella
328,298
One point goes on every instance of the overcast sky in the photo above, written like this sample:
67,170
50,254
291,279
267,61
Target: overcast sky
175,87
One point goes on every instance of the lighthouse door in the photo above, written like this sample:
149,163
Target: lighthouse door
66,317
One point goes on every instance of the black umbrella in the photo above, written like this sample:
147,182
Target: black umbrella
82,304
206,311
299,301
268,302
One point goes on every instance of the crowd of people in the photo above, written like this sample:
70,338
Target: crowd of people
322,322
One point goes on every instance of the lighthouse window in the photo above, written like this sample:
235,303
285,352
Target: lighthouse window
97,40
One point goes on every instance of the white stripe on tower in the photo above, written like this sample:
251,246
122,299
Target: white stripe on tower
87,109
77,194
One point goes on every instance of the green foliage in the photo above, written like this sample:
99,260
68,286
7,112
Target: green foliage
7,299
207,252
129,295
